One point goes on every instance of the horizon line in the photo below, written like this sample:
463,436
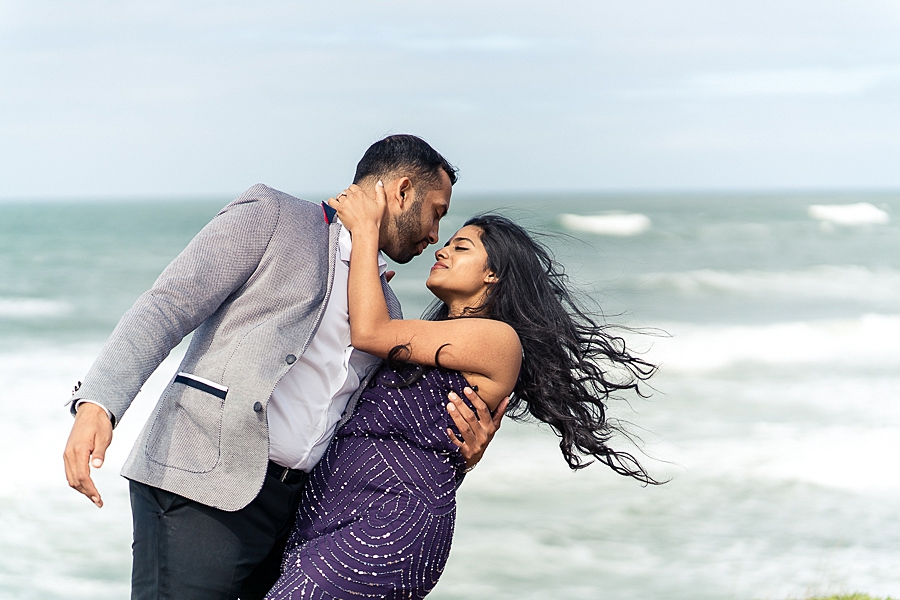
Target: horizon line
611,191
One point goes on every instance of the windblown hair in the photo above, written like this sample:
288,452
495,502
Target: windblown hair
405,155
572,365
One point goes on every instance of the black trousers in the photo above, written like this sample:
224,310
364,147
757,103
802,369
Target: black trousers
184,550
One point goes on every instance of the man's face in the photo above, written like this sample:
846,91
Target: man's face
416,227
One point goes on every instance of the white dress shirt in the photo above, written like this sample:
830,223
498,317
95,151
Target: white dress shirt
308,402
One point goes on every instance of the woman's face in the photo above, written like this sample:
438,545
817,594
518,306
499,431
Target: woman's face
460,275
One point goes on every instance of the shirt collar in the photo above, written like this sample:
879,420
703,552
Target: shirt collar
345,246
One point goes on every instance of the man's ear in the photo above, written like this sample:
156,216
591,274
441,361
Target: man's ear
395,201
404,191
397,193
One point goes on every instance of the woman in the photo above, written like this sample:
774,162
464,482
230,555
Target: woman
377,517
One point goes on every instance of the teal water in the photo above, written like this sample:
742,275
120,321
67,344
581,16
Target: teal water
777,412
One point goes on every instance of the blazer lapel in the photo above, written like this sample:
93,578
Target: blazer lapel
393,305
396,313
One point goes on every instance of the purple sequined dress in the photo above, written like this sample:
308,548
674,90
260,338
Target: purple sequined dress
376,519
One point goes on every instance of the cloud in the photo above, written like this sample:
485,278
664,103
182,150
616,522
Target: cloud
487,44
493,43
819,81
103,97
794,82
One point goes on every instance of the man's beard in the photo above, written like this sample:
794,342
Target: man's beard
407,228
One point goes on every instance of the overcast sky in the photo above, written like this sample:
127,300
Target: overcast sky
159,97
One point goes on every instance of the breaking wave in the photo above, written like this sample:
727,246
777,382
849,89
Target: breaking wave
868,341
826,281
25,308
616,224
861,213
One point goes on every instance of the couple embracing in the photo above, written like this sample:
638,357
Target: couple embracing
312,442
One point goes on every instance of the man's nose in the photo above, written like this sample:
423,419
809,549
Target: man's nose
433,234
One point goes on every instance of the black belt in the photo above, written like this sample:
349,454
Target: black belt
289,476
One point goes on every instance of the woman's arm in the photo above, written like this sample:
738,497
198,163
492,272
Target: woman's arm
487,351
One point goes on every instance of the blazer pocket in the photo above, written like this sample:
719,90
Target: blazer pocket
204,385
187,428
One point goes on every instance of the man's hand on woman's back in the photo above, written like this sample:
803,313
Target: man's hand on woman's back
477,428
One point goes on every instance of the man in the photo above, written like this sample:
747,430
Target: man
217,473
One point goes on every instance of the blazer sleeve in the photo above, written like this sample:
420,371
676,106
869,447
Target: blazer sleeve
217,263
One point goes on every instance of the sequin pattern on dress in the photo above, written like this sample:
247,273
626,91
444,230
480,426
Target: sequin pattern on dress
377,516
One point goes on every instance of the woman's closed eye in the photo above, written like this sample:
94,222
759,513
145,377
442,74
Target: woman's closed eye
455,248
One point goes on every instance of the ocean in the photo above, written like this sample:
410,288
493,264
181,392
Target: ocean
775,413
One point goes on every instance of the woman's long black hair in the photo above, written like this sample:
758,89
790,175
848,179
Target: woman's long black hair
572,364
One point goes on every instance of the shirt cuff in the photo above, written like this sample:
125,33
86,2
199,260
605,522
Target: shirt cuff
80,402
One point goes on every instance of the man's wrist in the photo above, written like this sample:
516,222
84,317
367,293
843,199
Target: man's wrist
79,403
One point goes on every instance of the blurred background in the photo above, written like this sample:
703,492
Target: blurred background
722,175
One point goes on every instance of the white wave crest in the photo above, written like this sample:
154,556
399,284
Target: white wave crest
867,341
864,461
861,213
850,282
619,224
30,380
25,308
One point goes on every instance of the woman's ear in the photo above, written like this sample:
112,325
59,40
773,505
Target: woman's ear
491,277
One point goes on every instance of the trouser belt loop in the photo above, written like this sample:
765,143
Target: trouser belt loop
285,474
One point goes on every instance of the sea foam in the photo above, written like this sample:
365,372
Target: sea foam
34,437
858,458
617,224
844,282
861,213
866,341
19,308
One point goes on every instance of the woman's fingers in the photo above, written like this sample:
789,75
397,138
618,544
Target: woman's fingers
356,207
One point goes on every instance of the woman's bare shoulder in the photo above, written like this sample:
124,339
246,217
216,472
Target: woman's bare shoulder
497,333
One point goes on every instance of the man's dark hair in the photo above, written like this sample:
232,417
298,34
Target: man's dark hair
405,155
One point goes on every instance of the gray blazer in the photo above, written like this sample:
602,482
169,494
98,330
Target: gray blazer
252,286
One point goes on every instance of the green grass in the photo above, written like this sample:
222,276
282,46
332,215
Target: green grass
848,597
